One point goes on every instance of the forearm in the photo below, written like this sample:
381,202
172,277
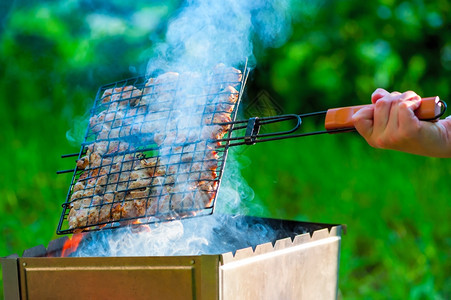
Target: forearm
434,139
428,139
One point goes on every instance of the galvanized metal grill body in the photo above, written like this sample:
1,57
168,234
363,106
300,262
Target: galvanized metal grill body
151,152
300,263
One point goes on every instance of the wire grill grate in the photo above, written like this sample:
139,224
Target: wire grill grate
151,150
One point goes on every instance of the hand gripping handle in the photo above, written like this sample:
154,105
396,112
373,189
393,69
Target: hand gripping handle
431,108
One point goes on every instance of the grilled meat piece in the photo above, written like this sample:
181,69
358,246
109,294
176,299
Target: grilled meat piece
122,95
222,77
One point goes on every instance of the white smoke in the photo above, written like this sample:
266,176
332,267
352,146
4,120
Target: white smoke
215,234
206,33
78,130
203,34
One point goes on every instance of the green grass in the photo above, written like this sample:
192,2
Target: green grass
395,206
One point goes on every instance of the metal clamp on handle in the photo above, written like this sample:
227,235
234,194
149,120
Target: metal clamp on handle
442,107
253,125
252,130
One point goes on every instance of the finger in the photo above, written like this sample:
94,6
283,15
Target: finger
409,95
395,95
396,99
393,119
401,108
412,102
377,94
406,113
382,110
363,121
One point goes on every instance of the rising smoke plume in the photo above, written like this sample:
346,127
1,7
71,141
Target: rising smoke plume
201,35
205,33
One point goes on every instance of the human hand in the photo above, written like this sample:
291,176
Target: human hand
391,124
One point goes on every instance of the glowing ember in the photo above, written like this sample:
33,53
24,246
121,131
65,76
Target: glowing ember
139,227
72,243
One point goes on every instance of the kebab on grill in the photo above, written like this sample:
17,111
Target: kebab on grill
118,183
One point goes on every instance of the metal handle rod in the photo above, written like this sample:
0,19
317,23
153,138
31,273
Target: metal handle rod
65,171
290,136
337,120
70,155
253,126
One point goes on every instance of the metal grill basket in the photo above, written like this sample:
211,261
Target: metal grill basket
153,150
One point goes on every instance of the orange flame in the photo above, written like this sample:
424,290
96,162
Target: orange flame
72,243
140,228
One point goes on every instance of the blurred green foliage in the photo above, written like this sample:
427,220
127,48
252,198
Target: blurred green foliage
55,54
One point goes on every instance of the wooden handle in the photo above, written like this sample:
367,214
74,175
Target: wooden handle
339,118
